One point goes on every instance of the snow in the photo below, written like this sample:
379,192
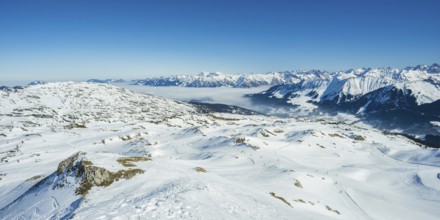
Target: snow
252,163
346,86
218,79
425,92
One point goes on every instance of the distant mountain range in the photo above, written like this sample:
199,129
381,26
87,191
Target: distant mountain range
106,80
390,98
218,79
421,82
232,80
10,89
16,88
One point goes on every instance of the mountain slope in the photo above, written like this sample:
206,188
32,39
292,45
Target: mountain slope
141,156
390,98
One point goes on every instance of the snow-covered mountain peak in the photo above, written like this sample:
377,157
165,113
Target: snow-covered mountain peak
434,69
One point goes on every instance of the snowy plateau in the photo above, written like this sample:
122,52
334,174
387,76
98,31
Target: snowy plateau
97,151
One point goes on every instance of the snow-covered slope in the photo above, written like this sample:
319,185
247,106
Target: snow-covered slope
394,98
350,85
423,81
81,150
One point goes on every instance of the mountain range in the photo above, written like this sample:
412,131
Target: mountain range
106,80
407,99
218,79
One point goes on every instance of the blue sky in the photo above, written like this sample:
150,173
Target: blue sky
81,39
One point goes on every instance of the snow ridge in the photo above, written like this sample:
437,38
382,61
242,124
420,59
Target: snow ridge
422,81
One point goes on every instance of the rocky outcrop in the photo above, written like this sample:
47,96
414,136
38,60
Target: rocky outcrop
89,175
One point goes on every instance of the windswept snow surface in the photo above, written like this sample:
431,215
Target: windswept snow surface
203,166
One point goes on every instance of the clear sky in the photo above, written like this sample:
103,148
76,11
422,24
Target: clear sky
81,39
